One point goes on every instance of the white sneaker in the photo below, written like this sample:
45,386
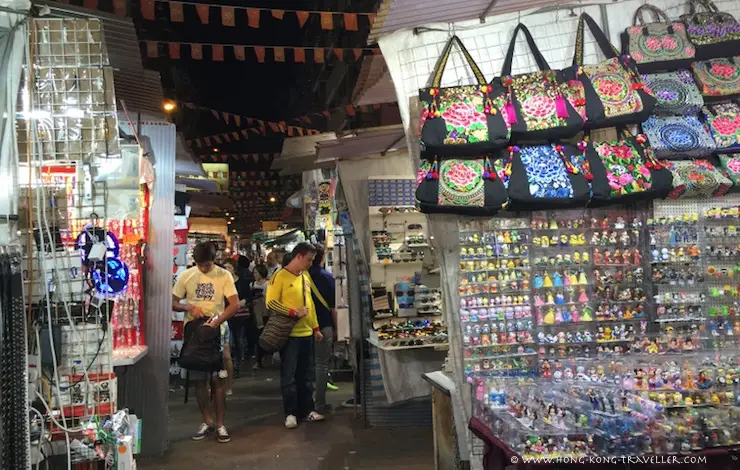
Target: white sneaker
291,422
203,431
314,416
223,435
229,392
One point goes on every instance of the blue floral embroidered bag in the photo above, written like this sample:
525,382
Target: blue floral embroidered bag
678,137
676,92
546,176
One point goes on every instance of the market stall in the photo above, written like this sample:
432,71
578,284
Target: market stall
591,304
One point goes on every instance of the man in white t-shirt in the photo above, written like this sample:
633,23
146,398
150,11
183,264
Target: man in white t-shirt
204,287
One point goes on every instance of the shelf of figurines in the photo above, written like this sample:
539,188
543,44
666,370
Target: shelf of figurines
598,283
571,419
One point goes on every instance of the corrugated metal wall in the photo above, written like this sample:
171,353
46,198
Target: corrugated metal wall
144,387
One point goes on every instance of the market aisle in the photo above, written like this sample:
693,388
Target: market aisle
260,442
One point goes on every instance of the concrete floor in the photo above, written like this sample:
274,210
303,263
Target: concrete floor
254,418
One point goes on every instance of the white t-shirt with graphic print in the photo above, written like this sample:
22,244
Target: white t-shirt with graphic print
207,291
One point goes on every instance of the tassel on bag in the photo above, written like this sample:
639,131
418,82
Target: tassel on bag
560,108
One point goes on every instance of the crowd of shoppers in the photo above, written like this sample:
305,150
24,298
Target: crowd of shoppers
238,300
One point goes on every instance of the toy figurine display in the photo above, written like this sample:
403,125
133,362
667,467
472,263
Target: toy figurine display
619,328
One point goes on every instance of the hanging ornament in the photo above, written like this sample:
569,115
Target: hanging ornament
110,278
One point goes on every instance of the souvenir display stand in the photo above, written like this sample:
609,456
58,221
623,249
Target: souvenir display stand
84,221
592,301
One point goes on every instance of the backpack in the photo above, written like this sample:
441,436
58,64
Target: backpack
201,348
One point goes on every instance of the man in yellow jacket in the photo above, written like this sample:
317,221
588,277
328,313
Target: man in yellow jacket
289,293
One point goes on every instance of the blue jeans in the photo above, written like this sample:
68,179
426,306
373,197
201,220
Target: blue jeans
296,376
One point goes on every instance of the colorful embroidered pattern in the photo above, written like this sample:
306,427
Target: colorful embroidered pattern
461,183
546,173
676,92
576,95
696,178
613,84
658,44
537,100
731,167
718,77
711,27
724,123
424,170
678,135
625,168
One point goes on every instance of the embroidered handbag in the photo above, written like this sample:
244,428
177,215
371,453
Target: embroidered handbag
723,120
678,137
714,33
718,77
657,46
460,186
545,176
625,170
536,105
696,179
731,166
675,92
615,94
461,120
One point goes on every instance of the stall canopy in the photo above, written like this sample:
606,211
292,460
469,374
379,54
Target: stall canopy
394,15
374,84
362,143
299,153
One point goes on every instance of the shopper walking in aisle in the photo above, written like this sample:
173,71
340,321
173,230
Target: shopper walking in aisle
239,323
322,293
259,310
204,287
289,293
272,264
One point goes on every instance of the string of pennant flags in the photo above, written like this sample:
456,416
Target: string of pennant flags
174,50
242,134
246,121
224,157
228,15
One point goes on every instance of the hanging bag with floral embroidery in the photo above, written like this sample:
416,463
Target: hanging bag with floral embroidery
615,94
537,103
713,32
461,120
723,120
696,179
676,93
625,170
460,186
677,137
731,168
547,176
718,79
658,46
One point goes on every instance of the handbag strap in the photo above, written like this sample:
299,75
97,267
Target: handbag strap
538,57
436,78
606,47
658,15
707,5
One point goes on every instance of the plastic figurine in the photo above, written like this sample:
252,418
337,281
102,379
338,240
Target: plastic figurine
547,282
550,299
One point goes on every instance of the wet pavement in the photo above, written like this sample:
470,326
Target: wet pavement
260,442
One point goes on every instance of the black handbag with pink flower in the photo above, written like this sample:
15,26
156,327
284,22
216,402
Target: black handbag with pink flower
461,120
462,186
540,105
614,92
